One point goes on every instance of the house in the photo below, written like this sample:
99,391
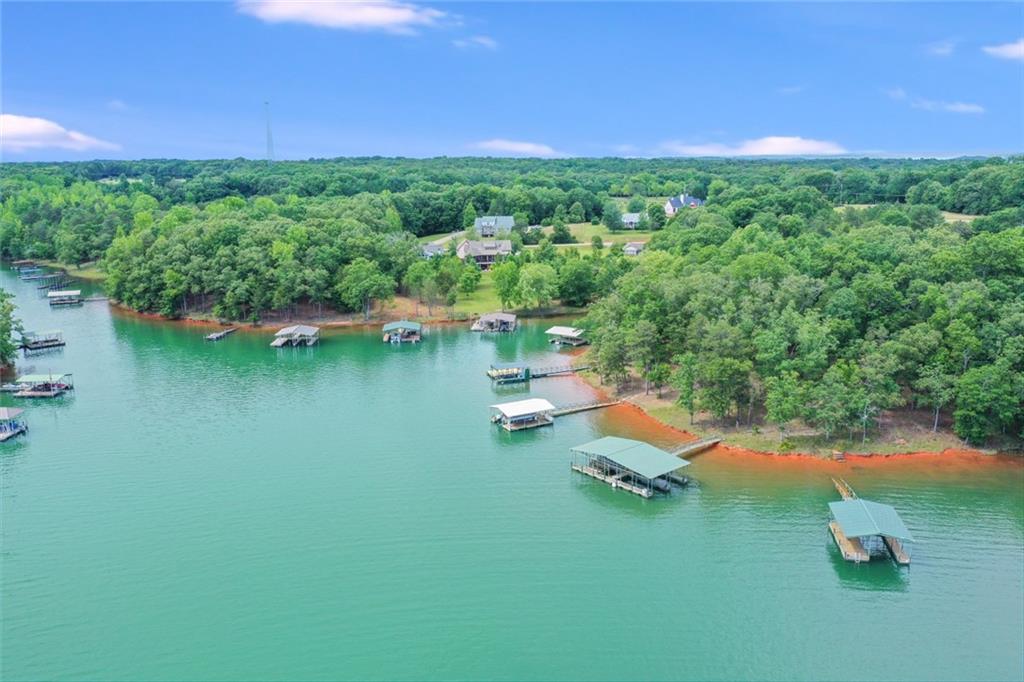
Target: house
431,250
673,204
493,225
485,253
631,220
633,248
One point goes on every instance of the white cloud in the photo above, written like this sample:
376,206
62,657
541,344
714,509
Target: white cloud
389,16
19,133
486,42
516,148
776,145
790,90
901,95
117,105
941,48
1014,50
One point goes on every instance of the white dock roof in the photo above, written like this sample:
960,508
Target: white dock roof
63,294
521,408
301,329
570,332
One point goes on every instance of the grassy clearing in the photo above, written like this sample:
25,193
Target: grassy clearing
87,271
428,238
585,233
957,217
483,300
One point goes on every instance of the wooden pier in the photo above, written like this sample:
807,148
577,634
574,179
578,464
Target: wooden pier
217,336
844,489
696,446
583,407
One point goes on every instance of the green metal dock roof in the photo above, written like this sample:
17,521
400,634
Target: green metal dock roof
861,518
635,455
403,324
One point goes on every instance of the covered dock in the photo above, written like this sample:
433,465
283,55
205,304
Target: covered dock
65,297
523,414
296,335
10,424
863,529
495,322
568,336
40,341
41,385
632,465
403,331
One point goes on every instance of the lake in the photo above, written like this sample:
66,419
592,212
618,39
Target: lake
227,510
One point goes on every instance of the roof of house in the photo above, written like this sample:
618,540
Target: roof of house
630,217
860,518
634,245
502,222
498,317
9,413
685,200
433,249
521,408
570,332
300,329
63,294
403,324
41,378
635,455
495,247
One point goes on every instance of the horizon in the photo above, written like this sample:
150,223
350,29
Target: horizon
428,80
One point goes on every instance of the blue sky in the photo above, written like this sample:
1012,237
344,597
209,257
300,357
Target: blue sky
188,80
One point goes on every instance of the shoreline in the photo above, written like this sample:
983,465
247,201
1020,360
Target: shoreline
643,419
587,379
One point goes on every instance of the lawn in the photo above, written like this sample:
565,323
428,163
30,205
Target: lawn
483,300
87,271
585,232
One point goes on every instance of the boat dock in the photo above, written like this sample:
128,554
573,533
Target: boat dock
67,297
296,335
632,465
40,341
862,528
850,548
40,385
515,372
217,336
10,425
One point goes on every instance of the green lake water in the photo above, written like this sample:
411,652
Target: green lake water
226,511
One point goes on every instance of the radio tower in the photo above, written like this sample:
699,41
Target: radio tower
270,138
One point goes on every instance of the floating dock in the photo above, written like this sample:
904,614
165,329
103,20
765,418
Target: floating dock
296,335
403,331
566,336
495,322
32,342
40,385
65,297
523,414
862,528
217,336
632,465
517,372
10,425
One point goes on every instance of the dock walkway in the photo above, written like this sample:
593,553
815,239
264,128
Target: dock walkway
217,336
696,446
583,407
614,481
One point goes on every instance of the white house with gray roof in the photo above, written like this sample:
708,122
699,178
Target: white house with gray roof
485,252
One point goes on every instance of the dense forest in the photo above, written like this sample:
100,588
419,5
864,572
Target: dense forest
824,291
